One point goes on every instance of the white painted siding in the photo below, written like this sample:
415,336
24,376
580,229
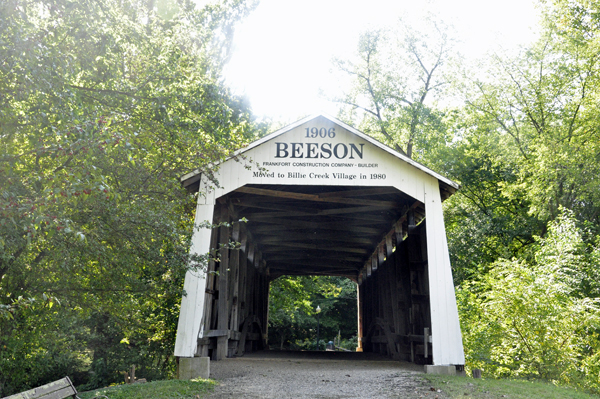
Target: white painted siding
192,305
445,328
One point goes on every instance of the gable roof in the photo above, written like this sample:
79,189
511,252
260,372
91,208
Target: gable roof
449,185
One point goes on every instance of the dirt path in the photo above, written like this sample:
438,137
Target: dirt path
279,375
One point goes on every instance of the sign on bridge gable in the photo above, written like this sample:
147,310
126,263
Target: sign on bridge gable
323,151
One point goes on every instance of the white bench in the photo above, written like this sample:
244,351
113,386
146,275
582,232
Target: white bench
60,389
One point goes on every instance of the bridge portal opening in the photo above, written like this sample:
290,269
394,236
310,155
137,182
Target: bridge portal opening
370,235
304,310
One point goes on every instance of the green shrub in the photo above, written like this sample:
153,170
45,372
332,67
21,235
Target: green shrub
536,319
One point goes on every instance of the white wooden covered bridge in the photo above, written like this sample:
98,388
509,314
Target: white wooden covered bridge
321,198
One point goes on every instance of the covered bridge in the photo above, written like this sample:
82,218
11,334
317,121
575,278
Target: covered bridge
321,198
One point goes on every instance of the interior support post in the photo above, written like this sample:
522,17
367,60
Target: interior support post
242,302
266,325
360,300
235,278
223,308
210,296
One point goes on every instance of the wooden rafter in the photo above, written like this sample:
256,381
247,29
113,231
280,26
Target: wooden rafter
315,197
311,266
322,247
360,192
355,211
286,225
295,237
277,257
347,220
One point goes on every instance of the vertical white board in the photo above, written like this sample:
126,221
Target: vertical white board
445,327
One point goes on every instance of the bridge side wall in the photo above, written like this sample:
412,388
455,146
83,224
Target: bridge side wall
407,302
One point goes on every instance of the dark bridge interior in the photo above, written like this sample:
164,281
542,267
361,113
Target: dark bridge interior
319,230
375,236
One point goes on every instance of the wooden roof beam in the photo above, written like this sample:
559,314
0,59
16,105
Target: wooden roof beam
304,257
308,265
287,245
315,197
277,238
361,192
323,212
350,275
297,224
349,221
270,205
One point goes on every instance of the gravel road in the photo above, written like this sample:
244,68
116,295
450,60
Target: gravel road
283,375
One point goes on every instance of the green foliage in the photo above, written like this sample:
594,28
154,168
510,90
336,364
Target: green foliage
525,145
537,320
541,105
192,389
103,106
29,354
483,221
529,141
293,302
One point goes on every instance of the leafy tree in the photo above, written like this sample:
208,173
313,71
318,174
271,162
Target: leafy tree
483,221
542,104
103,106
533,319
395,74
525,144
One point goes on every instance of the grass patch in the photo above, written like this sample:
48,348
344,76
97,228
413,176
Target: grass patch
470,388
165,389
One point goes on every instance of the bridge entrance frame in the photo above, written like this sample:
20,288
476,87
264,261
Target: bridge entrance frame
321,198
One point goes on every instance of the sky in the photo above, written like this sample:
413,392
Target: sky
283,50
